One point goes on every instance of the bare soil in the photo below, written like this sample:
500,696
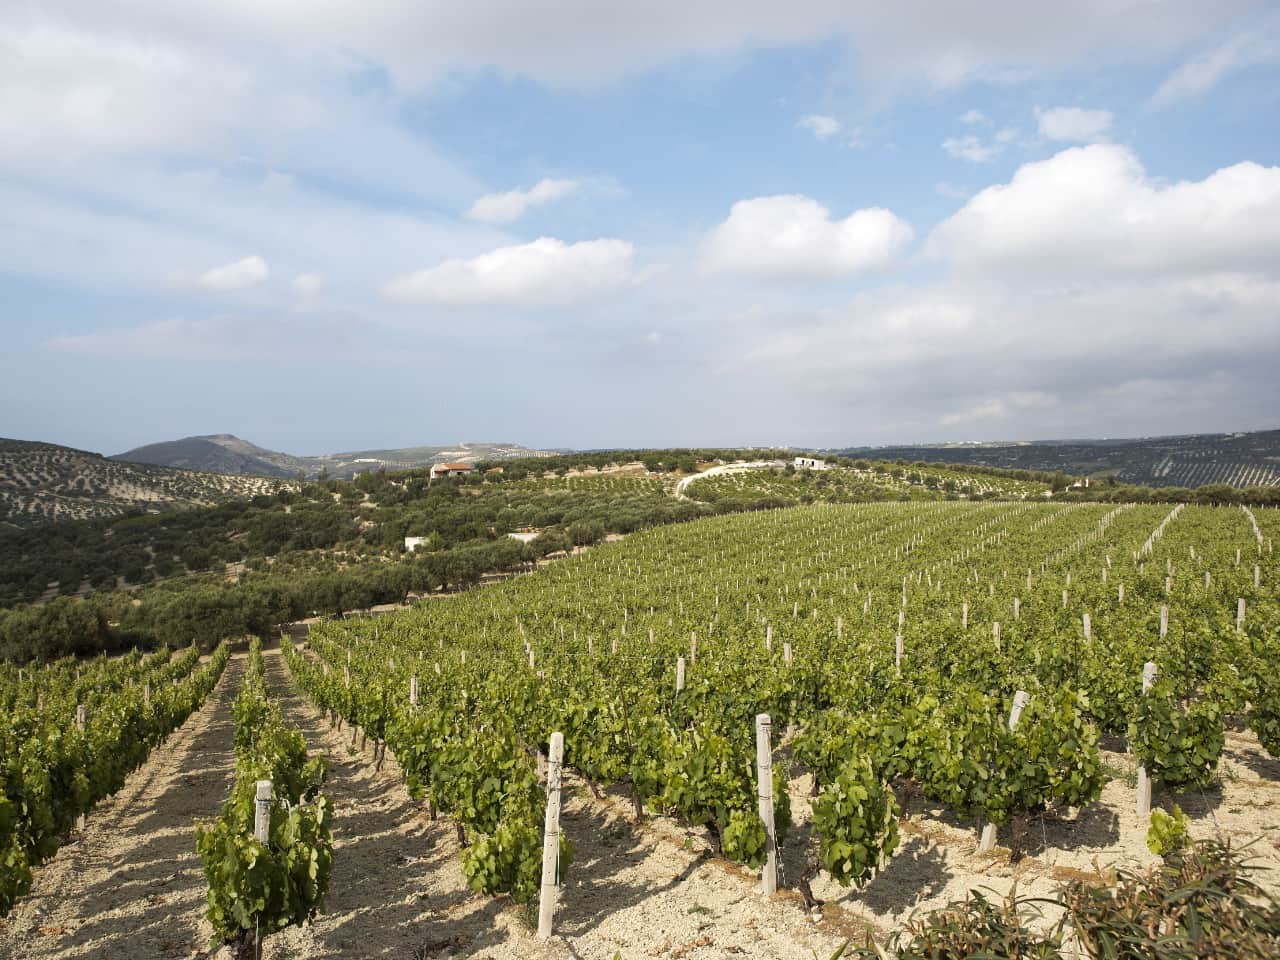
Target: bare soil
132,885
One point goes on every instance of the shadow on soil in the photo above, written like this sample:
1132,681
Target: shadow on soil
165,871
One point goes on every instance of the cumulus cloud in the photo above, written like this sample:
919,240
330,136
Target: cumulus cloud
544,272
794,237
1093,210
512,205
820,126
1257,45
1073,123
248,272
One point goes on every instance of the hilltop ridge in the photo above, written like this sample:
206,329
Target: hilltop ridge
227,453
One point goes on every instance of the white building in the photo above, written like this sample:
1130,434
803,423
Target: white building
524,536
450,470
413,543
809,463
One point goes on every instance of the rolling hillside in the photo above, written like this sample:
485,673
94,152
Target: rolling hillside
1237,459
43,482
225,453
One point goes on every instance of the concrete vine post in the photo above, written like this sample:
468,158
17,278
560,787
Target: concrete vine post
81,720
1149,673
764,791
679,674
1020,701
551,840
262,812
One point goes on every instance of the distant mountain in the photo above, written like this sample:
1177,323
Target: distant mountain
224,453
1193,460
42,482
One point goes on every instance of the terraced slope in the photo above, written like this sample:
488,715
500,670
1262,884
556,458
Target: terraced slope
44,482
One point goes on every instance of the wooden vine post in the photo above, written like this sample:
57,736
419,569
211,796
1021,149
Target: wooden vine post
551,840
1149,673
764,791
1020,700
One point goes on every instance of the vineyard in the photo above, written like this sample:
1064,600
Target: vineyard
931,697
880,481
887,641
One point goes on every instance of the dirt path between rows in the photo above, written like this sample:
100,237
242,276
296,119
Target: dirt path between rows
398,889
131,887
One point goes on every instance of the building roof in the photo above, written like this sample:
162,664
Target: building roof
451,466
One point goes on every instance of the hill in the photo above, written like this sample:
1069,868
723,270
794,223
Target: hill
1236,459
42,482
225,453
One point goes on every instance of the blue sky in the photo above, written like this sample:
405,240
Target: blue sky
568,224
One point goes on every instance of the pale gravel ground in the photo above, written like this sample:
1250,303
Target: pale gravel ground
133,887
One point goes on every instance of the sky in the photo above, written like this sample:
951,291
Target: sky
824,223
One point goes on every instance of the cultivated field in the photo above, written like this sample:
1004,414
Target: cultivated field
886,642
42,482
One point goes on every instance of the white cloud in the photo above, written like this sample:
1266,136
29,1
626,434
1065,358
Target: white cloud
952,191
1073,123
972,118
1257,45
975,149
1093,210
308,284
248,272
1098,357
223,337
547,271
566,41
512,205
69,89
794,237
1000,408
820,126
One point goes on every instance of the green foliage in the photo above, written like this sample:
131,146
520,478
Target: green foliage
856,819
52,772
1178,743
1167,833
1264,712
256,888
1200,903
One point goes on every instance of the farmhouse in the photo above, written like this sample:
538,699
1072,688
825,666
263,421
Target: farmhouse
527,535
413,543
809,463
449,470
